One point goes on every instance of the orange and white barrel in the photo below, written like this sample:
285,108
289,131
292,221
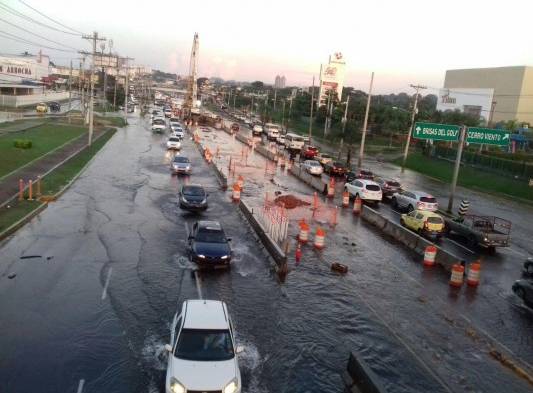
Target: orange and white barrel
456,278
331,188
240,182
429,255
236,195
281,161
303,236
345,199
357,206
320,238
472,278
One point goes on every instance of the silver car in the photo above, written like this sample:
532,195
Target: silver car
414,200
181,164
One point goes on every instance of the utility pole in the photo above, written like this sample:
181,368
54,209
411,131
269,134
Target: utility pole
327,113
415,108
94,38
311,111
365,124
234,96
70,91
79,89
283,116
115,90
456,168
126,89
275,98
344,120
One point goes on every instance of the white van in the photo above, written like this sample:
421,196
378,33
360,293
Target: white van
294,142
272,131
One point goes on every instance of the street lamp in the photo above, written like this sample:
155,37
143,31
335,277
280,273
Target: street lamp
344,120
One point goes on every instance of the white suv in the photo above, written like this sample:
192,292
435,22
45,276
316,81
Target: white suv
202,352
367,190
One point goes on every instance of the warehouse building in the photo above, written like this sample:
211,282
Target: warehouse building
504,92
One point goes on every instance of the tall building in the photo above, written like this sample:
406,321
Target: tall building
279,82
511,88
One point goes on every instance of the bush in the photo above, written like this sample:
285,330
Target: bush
22,143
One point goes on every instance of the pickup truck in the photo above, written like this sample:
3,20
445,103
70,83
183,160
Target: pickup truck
485,231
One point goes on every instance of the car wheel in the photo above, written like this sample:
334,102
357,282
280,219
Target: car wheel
530,269
492,250
394,203
402,222
471,241
520,293
410,208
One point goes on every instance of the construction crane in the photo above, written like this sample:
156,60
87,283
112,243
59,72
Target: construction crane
192,93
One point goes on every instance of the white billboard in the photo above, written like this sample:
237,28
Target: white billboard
17,69
476,102
331,78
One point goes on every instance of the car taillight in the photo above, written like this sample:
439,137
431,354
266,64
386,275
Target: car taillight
426,225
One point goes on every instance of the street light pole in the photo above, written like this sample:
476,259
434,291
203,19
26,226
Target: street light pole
456,168
408,142
363,137
344,120
311,113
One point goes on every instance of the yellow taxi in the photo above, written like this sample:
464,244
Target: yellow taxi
41,108
424,222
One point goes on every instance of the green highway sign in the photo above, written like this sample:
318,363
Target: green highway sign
487,136
437,132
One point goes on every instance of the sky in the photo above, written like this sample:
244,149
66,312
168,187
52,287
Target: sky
403,42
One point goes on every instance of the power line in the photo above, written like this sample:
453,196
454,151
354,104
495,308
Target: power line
21,15
28,42
51,19
37,35
466,93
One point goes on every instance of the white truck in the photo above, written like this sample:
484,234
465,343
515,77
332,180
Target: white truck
272,131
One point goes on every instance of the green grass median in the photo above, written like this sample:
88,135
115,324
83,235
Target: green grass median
44,138
52,183
469,177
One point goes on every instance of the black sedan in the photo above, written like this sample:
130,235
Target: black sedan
209,246
335,168
388,187
524,290
193,197
54,106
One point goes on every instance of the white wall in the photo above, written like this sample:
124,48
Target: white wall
16,101
462,97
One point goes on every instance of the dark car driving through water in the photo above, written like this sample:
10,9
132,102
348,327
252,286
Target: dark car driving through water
193,197
208,245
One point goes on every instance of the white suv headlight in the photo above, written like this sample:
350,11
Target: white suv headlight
176,387
232,386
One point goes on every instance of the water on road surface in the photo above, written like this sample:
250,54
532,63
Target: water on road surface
93,307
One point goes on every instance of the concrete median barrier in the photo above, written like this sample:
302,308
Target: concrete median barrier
220,176
265,152
273,249
408,238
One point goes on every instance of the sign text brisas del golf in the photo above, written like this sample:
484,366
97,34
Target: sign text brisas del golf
487,136
437,132
448,132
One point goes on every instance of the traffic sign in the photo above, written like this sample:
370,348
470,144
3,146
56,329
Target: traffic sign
437,132
487,136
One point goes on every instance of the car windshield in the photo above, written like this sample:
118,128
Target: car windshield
182,160
210,235
193,191
173,139
372,187
339,164
366,173
159,122
435,220
428,200
204,345
314,163
393,184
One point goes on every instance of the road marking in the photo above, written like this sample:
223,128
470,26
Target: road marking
80,385
460,245
516,252
104,293
198,285
187,228
396,212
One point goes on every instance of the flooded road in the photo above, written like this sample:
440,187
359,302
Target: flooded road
92,307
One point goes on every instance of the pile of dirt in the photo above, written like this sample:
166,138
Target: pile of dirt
290,202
